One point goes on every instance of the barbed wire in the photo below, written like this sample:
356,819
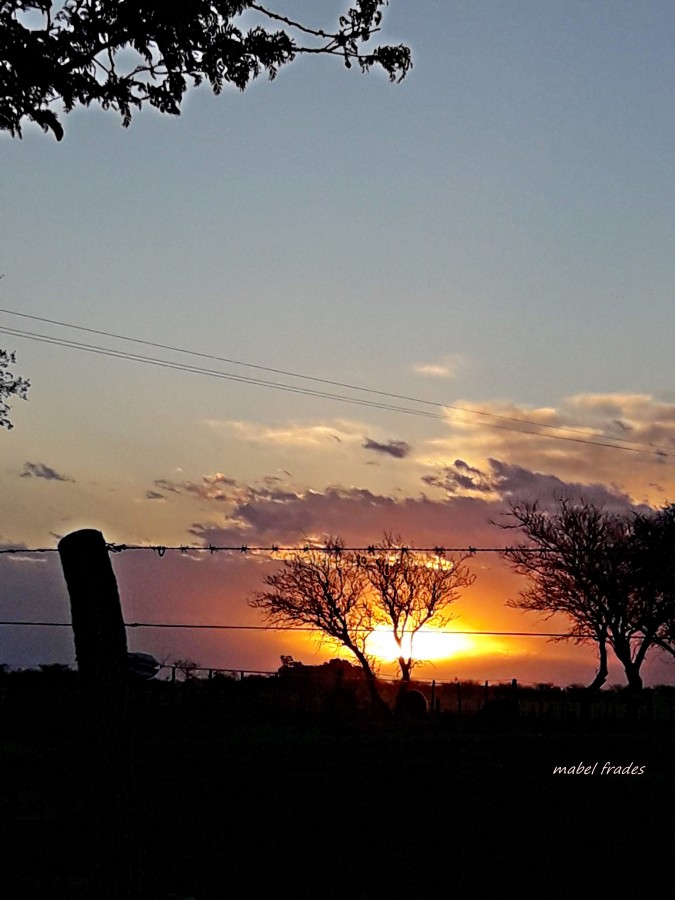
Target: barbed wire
243,549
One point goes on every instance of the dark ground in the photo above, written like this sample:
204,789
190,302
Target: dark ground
236,808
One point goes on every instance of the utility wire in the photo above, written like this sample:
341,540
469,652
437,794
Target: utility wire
327,381
75,345
197,626
214,373
474,412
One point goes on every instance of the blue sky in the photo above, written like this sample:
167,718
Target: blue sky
495,232
509,202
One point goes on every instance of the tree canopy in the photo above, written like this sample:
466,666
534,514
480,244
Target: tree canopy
346,595
324,589
610,574
125,54
412,590
652,559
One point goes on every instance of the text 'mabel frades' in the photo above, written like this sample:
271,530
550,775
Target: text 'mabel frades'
608,768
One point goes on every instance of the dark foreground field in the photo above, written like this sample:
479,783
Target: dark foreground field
314,809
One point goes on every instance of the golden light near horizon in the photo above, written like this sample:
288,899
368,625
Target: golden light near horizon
428,644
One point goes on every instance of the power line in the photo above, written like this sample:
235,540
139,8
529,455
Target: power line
288,373
619,443
213,373
299,628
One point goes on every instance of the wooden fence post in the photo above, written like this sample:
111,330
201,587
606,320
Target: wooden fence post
110,795
98,626
514,698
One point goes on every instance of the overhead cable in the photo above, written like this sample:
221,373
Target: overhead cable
618,443
300,628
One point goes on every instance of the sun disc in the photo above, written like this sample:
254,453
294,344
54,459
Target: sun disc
428,644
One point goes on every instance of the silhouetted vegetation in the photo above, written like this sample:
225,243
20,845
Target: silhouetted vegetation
10,386
346,596
124,56
651,554
612,575
411,590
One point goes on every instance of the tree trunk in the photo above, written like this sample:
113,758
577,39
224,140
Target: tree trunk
633,676
377,703
406,668
631,666
603,671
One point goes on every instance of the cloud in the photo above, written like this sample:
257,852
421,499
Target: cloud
167,485
446,369
12,546
459,478
621,440
504,481
206,491
294,435
649,421
219,478
220,488
40,470
397,449
357,514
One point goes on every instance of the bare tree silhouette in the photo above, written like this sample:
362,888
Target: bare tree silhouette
584,567
412,590
346,595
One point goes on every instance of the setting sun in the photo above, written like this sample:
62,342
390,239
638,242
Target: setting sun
428,644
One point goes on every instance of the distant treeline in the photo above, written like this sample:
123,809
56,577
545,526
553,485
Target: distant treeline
46,700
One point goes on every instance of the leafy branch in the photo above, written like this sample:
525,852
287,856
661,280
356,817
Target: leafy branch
73,57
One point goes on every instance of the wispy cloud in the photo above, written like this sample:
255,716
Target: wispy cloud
317,435
446,368
40,470
167,485
220,488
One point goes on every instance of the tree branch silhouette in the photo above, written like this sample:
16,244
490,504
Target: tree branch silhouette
73,57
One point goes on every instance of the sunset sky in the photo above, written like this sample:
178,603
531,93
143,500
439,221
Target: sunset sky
494,237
